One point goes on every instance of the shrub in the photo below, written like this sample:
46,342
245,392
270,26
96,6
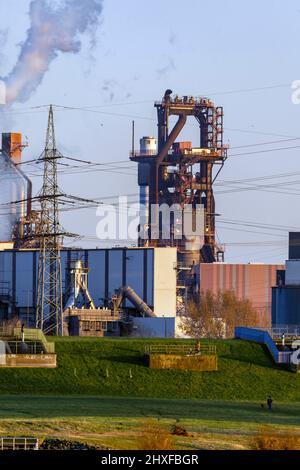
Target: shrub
155,437
268,440
178,430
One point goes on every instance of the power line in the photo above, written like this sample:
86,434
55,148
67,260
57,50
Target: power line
249,231
263,188
45,107
266,143
90,163
265,151
248,90
259,178
265,226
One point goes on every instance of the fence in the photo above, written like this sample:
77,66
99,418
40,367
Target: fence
19,443
31,334
181,349
28,347
290,331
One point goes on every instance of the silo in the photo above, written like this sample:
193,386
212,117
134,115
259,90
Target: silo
148,145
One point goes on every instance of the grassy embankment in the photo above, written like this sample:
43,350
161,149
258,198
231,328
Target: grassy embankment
102,392
117,367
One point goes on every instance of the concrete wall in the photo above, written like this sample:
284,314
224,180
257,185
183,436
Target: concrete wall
174,361
248,281
29,360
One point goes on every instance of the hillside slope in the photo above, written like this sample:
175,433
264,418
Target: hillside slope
117,367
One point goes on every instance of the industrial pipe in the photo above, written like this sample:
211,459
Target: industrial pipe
154,198
171,139
136,300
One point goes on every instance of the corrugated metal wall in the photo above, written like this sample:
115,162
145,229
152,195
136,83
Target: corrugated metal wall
286,306
109,270
251,281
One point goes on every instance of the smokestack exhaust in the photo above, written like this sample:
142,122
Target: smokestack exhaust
52,30
12,146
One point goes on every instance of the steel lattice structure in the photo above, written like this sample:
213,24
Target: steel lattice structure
178,173
49,310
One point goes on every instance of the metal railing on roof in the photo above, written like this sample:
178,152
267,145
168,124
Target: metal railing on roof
34,334
290,331
181,349
263,337
29,347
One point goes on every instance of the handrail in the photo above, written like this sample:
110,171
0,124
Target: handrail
263,337
292,331
183,349
15,346
35,335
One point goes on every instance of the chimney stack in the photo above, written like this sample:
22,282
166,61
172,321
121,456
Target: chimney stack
12,145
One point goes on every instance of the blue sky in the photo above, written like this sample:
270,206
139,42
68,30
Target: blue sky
195,48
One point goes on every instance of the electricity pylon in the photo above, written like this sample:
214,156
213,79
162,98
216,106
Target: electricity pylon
49,310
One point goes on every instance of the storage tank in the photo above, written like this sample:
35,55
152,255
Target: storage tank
148,145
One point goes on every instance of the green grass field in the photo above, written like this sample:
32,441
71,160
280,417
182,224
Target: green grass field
117,423
117,367
103,393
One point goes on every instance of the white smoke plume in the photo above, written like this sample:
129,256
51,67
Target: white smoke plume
53,28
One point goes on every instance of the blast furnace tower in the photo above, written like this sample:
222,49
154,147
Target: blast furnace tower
176,173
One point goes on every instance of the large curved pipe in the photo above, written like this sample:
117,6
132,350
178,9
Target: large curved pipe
171,139
154,171
136,300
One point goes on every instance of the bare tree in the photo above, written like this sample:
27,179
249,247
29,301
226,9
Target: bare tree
8,326
216,315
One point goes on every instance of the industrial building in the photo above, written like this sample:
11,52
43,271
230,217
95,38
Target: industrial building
249,281
286,292
138,291
150,272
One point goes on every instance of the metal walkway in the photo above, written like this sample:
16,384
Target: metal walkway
263,337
